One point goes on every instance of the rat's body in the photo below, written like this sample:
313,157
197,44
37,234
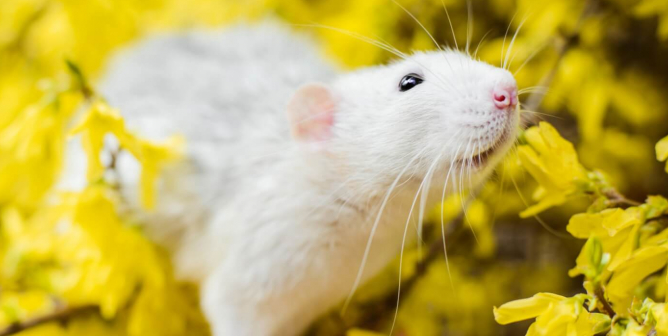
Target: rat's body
273,208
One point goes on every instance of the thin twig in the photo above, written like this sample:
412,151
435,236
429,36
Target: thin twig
616,198
599,293
81,81
61,315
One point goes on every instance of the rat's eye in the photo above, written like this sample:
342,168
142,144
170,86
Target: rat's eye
409,81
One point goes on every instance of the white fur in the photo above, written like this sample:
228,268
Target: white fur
275,231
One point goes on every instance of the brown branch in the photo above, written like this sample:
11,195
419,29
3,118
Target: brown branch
60,315
616,198
81,80
600,295
64,314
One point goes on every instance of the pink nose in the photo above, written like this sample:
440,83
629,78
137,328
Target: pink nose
505,96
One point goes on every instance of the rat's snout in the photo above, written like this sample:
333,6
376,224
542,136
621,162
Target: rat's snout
504,96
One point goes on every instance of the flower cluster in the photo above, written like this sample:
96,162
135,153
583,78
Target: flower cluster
627,245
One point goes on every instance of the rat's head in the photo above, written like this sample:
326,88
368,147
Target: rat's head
432,110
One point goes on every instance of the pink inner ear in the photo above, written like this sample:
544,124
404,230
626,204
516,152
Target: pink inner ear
311,113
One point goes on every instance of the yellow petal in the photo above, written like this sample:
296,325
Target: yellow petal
98,121
589,261
607,222
631,272
535,166
361,332
555,319
618,219
524,309
626,248
547,202
662,149
585,225
535,139
660,313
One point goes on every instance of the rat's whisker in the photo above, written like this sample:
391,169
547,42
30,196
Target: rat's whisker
420,192
425,30
359,37
419,23
461,196
475,54
358,277
445,248
454,38
538,219
382,46
469,25
424,198
505,36
528,59
541,114
530,89
423,205
510,47
500,194
480,148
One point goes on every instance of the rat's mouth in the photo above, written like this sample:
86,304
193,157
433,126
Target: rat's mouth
481,159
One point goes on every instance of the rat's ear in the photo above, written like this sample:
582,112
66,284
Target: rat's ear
311,113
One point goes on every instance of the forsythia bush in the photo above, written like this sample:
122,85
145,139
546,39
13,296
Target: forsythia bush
626,243
75,253
72,264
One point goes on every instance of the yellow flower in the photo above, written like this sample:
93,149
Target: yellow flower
635,329
32,146
85,244
153,158
662,151
102,120
525,309
616,229
607,222
643,262
21,305
591,261
660,314
553,162
555,315
361,332
98,121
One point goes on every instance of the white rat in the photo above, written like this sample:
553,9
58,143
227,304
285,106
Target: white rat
292,165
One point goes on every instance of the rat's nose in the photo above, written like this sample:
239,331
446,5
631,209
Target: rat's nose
504,96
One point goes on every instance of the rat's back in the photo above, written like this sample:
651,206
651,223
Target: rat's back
213,84
226,92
